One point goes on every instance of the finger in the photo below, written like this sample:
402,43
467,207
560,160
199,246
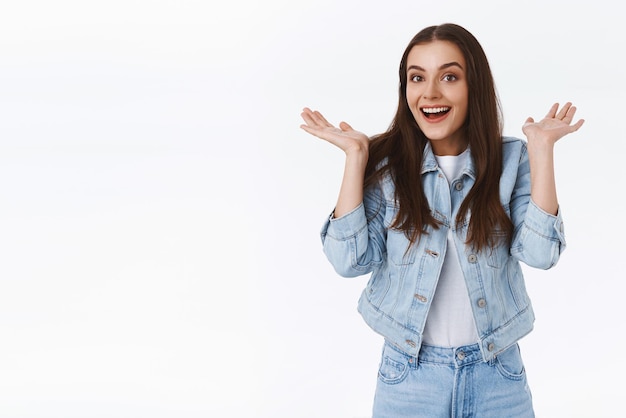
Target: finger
307,115
570,115
315,118
307,111
322,120
564,110
345,127
310,130
528,120
552,112
572,128
577,125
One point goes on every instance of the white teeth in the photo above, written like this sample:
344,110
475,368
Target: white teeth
435,109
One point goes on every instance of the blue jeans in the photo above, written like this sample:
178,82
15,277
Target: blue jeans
452,383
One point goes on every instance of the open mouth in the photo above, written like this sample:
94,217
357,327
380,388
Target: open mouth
434,112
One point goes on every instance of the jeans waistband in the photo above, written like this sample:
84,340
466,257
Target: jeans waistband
459,356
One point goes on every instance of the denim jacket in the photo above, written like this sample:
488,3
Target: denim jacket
397,297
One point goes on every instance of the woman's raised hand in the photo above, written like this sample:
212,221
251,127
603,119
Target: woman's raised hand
343,136
542,136
555,125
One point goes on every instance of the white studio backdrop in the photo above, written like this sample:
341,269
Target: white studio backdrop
160,207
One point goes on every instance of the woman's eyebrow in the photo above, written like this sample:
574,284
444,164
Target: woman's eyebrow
442,67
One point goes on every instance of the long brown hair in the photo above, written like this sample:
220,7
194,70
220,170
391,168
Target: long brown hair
401,150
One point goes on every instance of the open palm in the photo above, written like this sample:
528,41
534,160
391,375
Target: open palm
555,125
343,136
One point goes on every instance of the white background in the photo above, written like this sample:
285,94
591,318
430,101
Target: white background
160,207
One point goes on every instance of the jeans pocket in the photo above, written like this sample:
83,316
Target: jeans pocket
394,366
509,363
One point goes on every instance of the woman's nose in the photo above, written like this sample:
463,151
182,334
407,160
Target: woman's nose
431,91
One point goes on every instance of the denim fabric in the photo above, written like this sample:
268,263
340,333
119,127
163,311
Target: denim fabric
397,297
452,383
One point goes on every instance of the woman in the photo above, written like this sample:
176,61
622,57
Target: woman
441,209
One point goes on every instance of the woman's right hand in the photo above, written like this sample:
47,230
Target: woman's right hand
344,137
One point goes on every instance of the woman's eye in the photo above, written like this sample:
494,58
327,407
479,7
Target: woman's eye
416,78
449,77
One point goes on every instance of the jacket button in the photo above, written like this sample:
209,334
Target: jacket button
482,303
472,258
491,347
432,253
421,298
458,186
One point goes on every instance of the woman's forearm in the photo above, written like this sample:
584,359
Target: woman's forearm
351,190
542,178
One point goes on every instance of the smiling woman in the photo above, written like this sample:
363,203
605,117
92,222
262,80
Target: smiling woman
441,210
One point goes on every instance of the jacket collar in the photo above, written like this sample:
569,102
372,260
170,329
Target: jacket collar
430,163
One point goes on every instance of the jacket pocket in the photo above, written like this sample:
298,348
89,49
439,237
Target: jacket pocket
398,250
397,243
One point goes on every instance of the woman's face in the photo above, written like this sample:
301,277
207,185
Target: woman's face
437,92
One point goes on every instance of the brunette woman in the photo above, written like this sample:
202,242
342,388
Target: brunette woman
441,209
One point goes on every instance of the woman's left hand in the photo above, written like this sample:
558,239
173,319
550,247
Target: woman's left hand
553,126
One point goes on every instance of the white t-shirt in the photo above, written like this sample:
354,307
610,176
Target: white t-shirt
450,322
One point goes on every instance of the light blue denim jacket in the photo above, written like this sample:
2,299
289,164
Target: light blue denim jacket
397,297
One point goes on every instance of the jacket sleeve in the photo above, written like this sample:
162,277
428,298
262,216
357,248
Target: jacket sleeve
355,242
538,238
